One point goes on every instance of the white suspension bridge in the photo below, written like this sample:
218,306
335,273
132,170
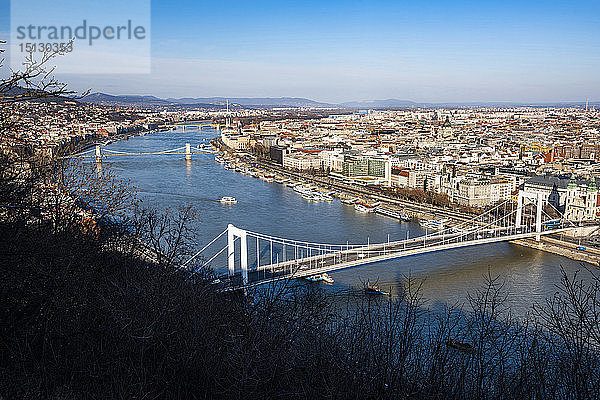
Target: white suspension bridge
98,152
254,258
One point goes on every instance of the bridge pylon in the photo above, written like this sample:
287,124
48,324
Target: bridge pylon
98,154
538,215
233,233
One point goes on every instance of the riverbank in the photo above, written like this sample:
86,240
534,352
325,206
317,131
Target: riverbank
563,248
417,211
106,140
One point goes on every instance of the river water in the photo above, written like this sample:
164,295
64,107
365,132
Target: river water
270,208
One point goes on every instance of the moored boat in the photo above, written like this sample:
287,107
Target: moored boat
309,196
362,207
326,197
348,200
435,224
393,213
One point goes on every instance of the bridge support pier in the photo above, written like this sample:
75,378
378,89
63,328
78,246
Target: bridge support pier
232,233
188,152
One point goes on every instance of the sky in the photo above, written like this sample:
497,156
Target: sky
335,51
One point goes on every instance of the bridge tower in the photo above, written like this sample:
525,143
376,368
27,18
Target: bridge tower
98,154
188,152
538,215
232,233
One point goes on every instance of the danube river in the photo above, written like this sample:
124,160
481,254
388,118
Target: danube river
270,208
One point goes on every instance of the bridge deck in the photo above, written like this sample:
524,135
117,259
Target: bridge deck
381,252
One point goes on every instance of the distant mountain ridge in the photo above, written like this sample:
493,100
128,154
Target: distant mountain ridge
103,98
253,101
219,102
388,103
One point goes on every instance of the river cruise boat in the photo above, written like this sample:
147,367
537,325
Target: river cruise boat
435,224
365,208
348,200
228,200
325,197
319,278
310,196
301,189
393,213
268,178
375,290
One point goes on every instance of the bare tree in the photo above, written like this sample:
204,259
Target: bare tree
35,80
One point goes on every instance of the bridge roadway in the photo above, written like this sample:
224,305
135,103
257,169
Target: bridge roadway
383,251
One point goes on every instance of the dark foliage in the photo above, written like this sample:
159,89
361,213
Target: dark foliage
82,320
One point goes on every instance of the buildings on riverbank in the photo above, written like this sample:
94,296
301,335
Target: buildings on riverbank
475,156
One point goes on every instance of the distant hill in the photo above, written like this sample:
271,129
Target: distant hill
103,98
254,101
219,102
389,103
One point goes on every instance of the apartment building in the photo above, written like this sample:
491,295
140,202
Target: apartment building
300,161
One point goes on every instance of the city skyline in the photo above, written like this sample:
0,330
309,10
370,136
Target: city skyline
337,52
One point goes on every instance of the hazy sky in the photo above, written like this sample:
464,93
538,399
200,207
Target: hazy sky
433,51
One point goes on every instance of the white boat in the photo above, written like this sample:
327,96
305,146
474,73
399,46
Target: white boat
309,196
435,224
268,178
325,197
228,200
320,278
348,201
360,207
393,213
301,189
219,160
